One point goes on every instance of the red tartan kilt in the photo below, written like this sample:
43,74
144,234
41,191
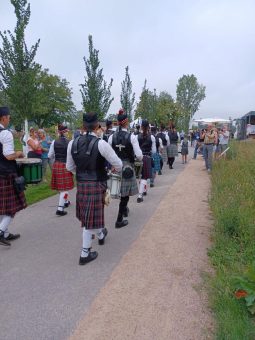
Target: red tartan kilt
10,202
90,204
147,167
61,180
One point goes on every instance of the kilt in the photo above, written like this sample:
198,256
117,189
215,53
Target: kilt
61,179
90,204
10,202
147,167
156,159
164,154
172,150
128,186
184,150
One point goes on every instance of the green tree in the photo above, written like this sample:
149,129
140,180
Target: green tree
189,94
54,101
18,70
96,94
112,117
165,108
146,107
127,98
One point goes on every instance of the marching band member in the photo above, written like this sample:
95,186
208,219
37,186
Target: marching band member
127,148
165,140
86,155
147,144
157,158
61,180
10,201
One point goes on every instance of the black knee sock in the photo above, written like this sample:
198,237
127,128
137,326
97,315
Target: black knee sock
122,207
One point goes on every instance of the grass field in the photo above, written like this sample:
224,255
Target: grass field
233,206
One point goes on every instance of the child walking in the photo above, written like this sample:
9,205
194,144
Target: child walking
184,149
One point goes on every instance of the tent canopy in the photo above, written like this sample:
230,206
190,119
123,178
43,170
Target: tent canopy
212,120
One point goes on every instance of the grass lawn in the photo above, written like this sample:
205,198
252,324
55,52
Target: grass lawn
233,206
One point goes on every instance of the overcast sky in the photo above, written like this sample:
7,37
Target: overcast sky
159,40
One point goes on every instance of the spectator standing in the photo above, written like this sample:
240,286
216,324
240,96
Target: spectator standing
45,145
209,141
223,140
33,145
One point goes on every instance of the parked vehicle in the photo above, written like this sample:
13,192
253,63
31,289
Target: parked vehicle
245,126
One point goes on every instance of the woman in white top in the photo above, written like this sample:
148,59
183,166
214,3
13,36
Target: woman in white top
33,145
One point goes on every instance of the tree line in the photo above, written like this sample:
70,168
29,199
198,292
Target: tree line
33,93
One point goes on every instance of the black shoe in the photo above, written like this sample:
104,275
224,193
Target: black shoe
3,240
121,224
12,237
145,193
66,205
159,173
61,213
139,199
92,256
152,185
105,232
125,214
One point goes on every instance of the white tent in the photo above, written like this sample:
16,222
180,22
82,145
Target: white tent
211,120
135,122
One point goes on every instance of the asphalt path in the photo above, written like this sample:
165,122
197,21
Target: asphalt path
44,292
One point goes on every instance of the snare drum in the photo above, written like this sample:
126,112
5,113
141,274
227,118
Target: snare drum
114,184
138,168
30,169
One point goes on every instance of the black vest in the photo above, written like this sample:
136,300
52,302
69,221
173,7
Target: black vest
123,138
60,149
145,143
163,137
6,167
173,136
90,164
107,134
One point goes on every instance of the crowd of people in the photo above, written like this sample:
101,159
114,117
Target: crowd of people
211,142
92,156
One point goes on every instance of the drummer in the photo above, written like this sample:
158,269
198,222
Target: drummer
86,156
147,144
127,148
156,156
10,201
61,180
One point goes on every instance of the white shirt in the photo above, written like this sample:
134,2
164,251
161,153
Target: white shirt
135,144
6,139
105,150
224,138
51,153
153,147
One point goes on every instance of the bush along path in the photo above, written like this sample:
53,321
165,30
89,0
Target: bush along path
233,252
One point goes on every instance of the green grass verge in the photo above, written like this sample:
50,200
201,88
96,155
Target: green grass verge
233,206
37,192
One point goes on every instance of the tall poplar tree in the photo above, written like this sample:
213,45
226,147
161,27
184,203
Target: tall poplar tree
147,104
18,70
189,94
96,94
127,98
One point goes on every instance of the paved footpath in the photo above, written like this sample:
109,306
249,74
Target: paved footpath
44,292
